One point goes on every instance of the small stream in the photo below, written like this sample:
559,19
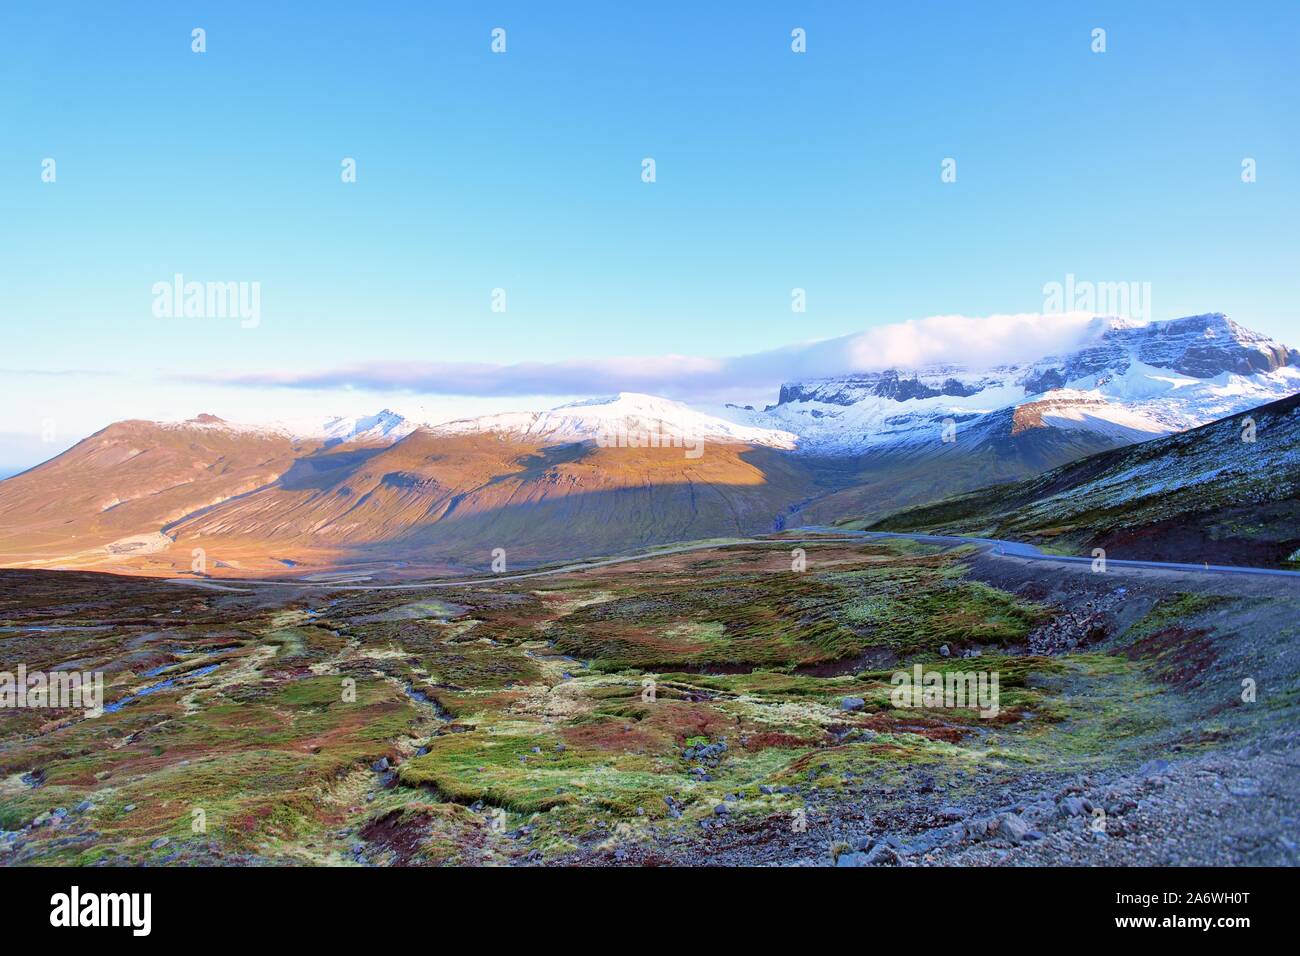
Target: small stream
161,685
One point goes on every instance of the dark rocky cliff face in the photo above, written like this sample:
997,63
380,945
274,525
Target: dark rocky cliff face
1204,346
891,383
1201,346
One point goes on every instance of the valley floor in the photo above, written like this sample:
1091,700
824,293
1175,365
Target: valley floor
718,706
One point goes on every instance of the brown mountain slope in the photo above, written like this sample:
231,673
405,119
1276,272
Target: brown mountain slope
143,497
148,498
110,494
448,501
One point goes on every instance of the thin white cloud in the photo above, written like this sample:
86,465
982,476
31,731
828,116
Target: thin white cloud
942,339
981,341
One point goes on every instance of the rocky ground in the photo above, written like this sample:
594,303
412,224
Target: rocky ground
1231,808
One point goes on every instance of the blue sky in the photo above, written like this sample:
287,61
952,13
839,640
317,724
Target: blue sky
522,171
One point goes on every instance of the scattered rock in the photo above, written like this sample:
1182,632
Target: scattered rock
881,852
1013,827
940,836
1070,807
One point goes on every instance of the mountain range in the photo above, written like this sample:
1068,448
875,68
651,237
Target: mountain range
607,476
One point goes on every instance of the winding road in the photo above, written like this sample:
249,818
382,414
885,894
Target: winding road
1019,549
1012,549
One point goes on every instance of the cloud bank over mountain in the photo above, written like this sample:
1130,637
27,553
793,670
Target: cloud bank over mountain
941,339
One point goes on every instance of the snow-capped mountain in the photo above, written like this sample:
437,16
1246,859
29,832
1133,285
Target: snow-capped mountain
591,477
381,428
1128,381
626,417
386,425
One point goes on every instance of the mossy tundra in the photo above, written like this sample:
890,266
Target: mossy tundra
531,721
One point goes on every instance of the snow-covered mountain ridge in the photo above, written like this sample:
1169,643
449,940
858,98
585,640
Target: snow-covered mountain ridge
1125,382
621,419
628,418
1132,380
